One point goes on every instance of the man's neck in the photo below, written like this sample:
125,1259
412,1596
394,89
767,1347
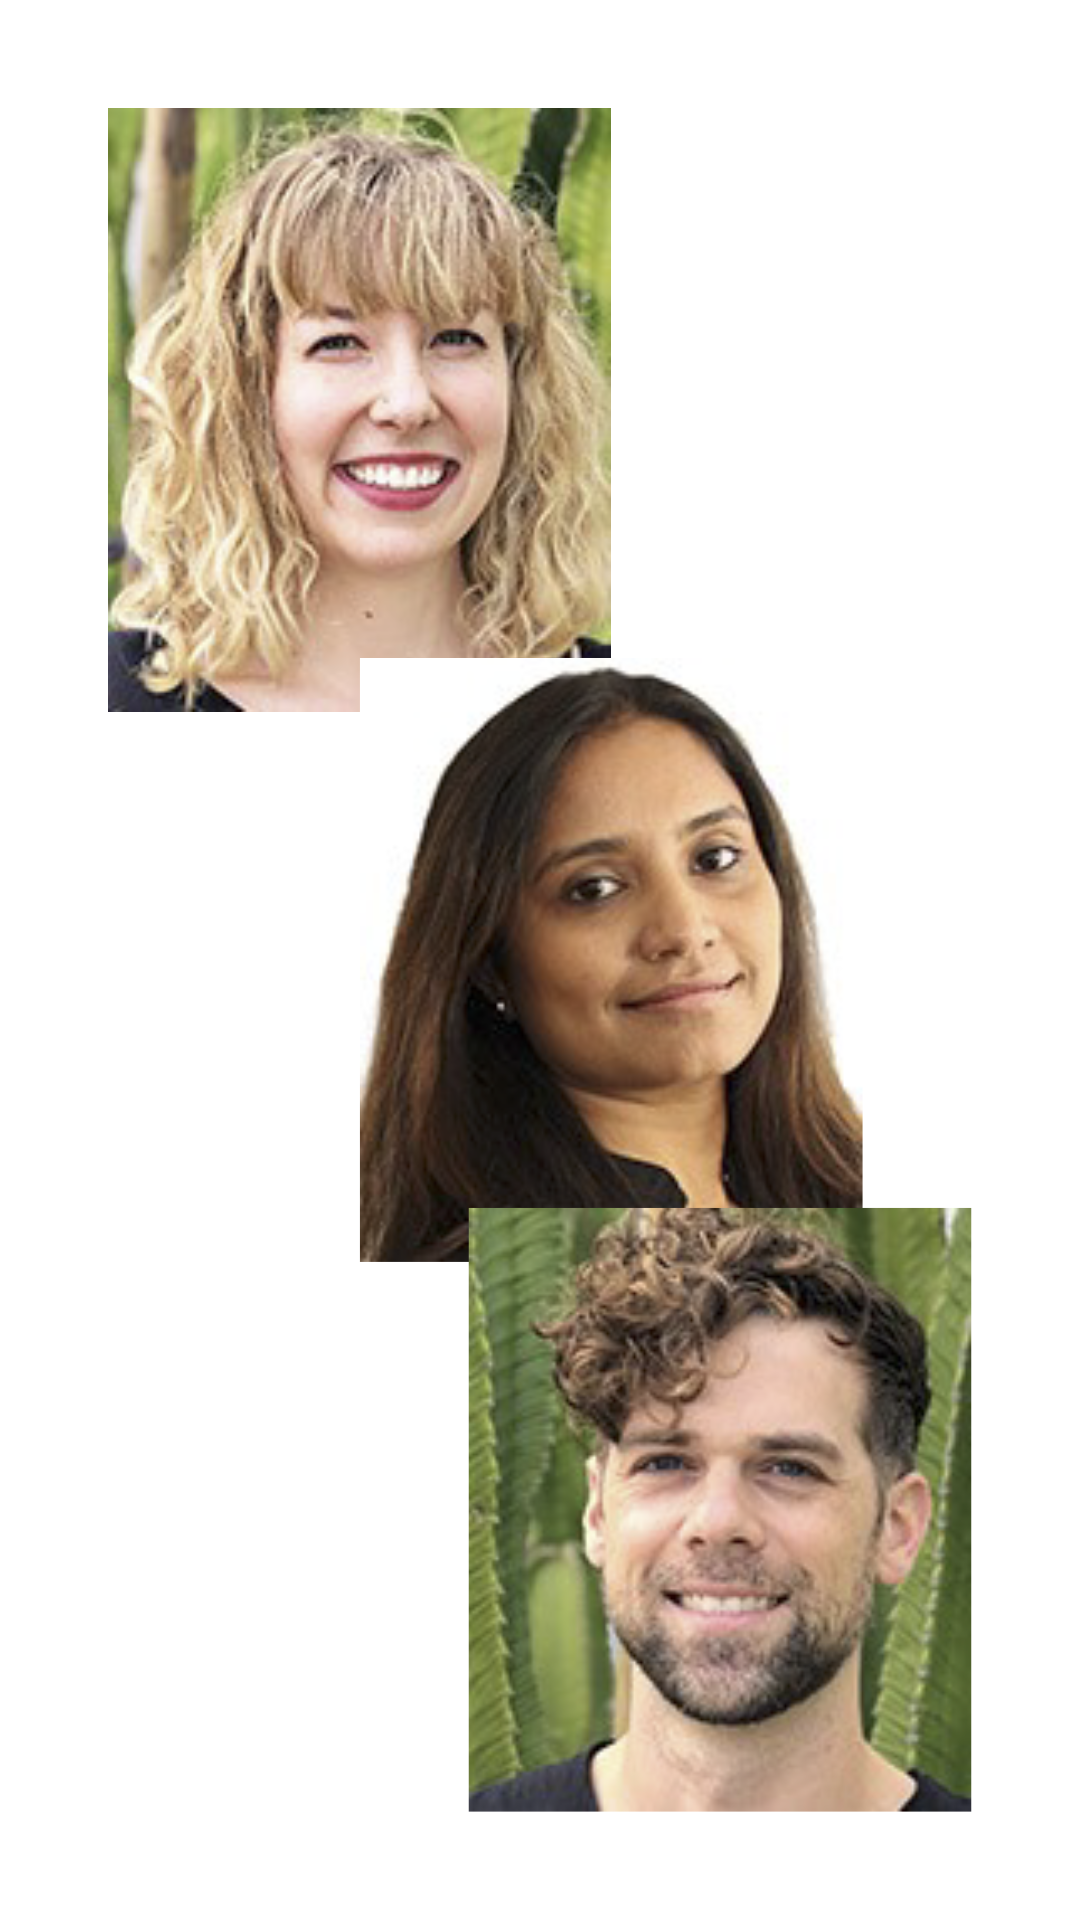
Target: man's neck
811,1759
681,1129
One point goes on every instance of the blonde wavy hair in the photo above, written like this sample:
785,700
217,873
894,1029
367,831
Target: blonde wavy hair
225,564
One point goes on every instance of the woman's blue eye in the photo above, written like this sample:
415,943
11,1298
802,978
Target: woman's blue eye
448,337
459,337
335,342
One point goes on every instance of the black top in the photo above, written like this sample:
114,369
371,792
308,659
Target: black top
127,694
653,1187
567,1788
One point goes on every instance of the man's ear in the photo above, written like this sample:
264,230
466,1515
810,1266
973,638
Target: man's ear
908,1505
593,1518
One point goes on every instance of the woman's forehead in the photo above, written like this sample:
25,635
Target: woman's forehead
640,769
366,254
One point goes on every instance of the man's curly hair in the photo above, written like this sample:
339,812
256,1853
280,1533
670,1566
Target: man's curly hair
664,1284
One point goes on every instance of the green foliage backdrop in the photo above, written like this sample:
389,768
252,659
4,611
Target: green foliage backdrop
540,1674
559,157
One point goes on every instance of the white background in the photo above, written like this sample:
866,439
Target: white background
845,455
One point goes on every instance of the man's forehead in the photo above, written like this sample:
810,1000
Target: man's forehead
766,1376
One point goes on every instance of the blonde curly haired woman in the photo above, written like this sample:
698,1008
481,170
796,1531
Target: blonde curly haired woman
369,424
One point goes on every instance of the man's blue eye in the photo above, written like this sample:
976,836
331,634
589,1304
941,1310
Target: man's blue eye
662,1462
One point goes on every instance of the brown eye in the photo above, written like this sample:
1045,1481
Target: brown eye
593,889
718,859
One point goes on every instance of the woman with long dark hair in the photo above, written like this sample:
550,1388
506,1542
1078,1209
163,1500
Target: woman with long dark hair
603,986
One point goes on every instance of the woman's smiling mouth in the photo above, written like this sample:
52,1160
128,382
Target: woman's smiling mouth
689,994
404,483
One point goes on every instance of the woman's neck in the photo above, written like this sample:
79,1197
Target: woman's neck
682,1129
350,618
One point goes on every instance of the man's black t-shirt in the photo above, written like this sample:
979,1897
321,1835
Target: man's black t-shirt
567,1788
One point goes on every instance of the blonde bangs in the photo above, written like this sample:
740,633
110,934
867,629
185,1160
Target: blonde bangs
380,224
413,230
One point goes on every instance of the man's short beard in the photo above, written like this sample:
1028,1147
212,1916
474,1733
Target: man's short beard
724,1687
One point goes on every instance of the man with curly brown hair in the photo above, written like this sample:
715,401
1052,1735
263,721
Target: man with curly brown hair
757,1405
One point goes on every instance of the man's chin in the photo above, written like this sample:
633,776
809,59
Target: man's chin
731,1684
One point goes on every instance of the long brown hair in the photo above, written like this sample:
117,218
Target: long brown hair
459,1110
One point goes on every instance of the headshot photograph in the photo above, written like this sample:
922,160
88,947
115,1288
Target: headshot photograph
719,1465
603,943
603,983
358,397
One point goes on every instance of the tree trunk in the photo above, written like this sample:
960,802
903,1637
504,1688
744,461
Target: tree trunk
168,171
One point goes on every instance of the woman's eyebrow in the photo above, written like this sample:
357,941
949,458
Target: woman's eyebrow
617,843
327,313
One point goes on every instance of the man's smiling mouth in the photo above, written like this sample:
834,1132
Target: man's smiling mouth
732,1603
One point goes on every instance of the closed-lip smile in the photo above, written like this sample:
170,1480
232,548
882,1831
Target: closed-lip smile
683,990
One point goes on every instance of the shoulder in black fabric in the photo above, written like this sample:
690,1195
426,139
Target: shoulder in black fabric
931,1797
565,1787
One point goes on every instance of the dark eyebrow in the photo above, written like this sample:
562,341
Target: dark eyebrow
814,1444
618,843
678,1437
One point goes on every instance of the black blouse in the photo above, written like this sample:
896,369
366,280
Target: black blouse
652,1187
127,694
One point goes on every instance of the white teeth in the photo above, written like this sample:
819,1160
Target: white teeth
728,1603
398,479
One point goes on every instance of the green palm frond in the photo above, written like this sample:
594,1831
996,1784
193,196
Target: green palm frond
494,137
493,1752
520,1256
920,1714
584,223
